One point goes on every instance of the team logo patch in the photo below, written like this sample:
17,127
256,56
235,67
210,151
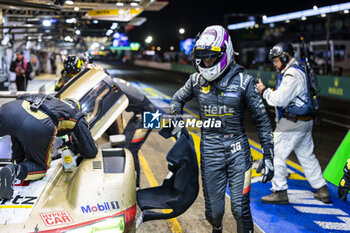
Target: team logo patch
206,89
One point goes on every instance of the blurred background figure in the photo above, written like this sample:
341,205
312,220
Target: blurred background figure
22,68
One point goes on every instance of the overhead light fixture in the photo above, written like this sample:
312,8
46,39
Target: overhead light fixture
69,2
94,45
307,13
76,8
32,19
149,39
109,32
181,31
95,21
77,32
346,11
68,39
246,24
47,23
323,15
114,26
71,20
303,18
119,4
315,8
134,4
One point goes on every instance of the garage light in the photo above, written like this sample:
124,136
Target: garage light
149,39
71,20
306,13
47,23
68,39
241,25
95,45
114,26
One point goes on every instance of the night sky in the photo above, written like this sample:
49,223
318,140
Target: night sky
195,15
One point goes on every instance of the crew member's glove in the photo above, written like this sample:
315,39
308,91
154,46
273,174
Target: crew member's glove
267,165
344,184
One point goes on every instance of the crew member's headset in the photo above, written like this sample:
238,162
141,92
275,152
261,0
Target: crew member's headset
284,58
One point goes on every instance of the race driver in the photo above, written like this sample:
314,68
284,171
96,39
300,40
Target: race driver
224,92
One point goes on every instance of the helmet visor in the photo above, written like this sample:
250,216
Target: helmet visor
202,54
207,52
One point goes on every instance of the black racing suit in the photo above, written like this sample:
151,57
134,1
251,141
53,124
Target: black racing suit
135,136
225,151
33,132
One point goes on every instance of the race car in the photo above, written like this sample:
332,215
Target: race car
99,195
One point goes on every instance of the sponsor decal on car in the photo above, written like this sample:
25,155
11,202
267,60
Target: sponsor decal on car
106,206
56,218
19,200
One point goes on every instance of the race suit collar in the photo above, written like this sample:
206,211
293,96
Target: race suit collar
224,81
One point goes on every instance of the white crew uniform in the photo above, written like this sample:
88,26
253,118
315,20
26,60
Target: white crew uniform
289,136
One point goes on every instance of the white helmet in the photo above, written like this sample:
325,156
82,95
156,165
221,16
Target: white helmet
214,42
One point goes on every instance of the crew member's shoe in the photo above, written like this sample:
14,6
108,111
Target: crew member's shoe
8,175
217,230
323,194
276,197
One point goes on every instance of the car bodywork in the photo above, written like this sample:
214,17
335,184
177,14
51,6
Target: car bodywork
99,194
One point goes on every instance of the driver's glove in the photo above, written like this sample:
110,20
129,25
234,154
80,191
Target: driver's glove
267,164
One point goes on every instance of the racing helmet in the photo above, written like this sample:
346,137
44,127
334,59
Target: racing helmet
73,103
214,42
73,65
280,50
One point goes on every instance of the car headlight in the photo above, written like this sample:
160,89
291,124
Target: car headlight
111,225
